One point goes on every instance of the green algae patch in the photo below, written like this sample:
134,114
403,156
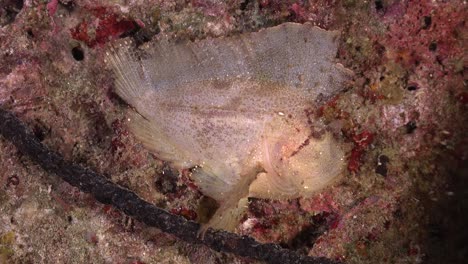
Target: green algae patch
6,241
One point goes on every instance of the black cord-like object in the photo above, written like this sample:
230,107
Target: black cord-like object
131,204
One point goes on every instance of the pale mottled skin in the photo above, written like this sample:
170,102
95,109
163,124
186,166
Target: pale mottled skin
238,109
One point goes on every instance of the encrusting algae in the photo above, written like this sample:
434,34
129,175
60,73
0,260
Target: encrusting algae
238,111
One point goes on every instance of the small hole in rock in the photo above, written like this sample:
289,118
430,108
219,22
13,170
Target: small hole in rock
378,5
243,5
433,46
410,127
77,53
381,168
427,22
68,4
30,33
412,88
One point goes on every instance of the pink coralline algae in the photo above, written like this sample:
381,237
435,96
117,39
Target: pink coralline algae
361,142
103,26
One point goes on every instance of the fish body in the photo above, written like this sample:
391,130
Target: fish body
238,109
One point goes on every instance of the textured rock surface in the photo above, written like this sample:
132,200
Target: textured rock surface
401,200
